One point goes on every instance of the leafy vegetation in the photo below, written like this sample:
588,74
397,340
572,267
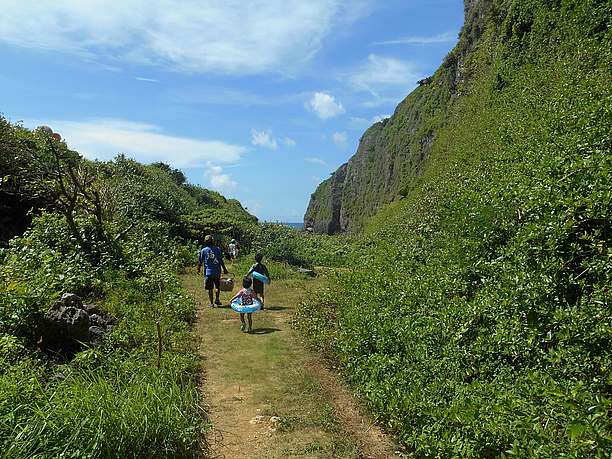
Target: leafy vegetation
473,315
109,400
285,244
117,234
477,323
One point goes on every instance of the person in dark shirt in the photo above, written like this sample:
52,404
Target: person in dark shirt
258,286
212,259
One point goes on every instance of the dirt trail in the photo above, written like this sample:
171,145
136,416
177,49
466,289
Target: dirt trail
268,396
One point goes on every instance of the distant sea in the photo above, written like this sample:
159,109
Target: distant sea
298,226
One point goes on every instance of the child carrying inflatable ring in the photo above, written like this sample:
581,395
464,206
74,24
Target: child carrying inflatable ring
246,302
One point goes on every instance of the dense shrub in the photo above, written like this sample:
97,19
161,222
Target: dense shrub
107,232
478,322
110,401
286,244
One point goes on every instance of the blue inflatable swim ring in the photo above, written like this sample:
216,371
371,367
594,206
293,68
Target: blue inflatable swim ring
260,277
239,307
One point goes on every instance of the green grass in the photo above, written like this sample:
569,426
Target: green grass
477,322
269,374
106,402
147,414
109,402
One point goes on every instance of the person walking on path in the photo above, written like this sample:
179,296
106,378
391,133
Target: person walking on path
258,286
248,301
233,249
212,259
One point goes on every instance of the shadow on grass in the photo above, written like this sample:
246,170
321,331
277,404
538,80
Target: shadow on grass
275,308
264,331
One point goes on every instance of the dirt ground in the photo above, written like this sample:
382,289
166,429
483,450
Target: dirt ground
268,396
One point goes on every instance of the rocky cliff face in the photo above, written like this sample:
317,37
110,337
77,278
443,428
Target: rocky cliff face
323,213
392,153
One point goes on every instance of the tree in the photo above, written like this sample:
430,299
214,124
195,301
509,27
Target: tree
47,170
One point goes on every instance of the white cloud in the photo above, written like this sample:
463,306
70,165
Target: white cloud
387,79
149,80
339,139
325,105
379,118
446,37
315,161
359,123
288,141
219,180
380,73
103,139
220,36
263,139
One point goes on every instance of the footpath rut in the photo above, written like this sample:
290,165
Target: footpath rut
267,396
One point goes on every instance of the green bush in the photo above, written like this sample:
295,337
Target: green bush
110,401
107,232
476,320
298,248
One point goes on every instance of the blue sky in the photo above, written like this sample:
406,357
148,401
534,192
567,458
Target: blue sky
260,100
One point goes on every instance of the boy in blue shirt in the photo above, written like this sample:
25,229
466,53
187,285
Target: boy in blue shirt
212,259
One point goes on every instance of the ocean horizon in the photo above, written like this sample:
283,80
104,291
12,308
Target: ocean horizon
298,225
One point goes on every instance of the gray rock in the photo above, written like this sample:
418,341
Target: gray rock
102,320
323,213
95,319
69,322
71,300
96,334
308,272
393,152
62,330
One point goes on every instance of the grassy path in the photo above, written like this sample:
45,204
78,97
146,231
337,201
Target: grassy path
268,396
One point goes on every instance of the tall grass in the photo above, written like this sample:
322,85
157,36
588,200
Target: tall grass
146,414
111,401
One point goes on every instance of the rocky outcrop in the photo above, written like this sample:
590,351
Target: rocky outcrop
69,323
392,153
389,153
323,213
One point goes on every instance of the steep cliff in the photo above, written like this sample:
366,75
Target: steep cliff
392,152
475,321
323,213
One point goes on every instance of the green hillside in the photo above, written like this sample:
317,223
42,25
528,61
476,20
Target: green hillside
39,173
117,234
476,320
468,303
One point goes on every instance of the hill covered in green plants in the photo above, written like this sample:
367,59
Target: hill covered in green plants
41,173
117,234
476,319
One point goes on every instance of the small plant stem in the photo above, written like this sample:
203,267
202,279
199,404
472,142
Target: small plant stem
159,344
